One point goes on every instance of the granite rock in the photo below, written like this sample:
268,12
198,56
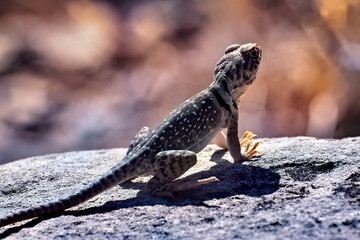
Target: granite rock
299,188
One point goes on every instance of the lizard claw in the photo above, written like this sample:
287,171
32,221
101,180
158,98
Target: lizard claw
249,149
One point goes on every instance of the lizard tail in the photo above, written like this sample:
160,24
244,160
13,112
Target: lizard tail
110,179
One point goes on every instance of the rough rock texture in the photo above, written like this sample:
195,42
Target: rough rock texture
300,188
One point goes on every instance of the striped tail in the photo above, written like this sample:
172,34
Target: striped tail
108,180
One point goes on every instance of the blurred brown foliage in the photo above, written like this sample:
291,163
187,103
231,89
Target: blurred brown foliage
89,74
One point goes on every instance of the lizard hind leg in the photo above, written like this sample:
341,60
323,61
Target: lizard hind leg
139,137
171,165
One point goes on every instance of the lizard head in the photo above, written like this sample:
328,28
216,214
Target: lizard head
239,65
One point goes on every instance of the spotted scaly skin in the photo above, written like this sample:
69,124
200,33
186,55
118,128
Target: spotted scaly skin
170,150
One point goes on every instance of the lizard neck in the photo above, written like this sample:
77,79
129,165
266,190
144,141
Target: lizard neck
237,93
226,88
222,95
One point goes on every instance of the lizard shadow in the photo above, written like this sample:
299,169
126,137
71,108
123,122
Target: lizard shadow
235,179
29,224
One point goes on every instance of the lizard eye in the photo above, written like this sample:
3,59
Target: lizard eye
254,52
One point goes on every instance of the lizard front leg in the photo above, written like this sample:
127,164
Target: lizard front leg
248,148
240,149
170,165
243,149
232,138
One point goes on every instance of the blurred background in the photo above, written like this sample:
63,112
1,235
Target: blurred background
78,75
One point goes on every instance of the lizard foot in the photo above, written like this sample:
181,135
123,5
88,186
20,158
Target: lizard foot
169,189
193,184
249,148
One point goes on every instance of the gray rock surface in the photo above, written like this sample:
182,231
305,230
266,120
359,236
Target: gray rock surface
300,188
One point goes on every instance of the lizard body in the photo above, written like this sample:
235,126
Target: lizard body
170,150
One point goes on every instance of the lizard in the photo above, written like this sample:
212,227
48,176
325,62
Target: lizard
170,150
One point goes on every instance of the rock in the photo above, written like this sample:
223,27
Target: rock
300,188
